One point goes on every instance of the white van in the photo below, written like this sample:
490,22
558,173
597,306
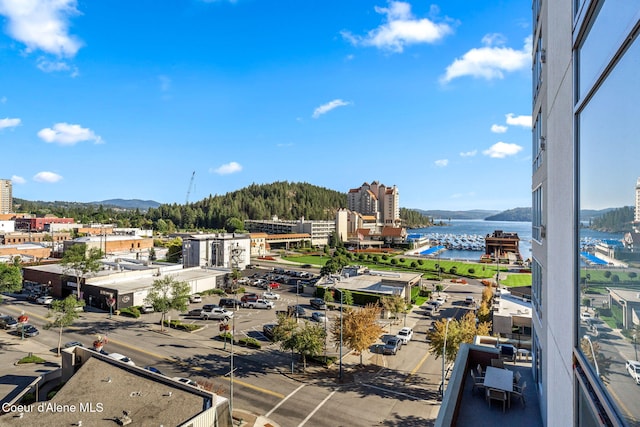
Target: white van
469,300
122,358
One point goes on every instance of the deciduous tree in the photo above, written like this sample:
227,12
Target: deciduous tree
360,328
458,332
77,261
307,340
64,313
394,304
168,294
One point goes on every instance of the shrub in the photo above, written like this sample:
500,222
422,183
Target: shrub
394,261
130,312
250,342
420,262
453,270
607,274
402,260
414,264
385,257
615,278
633,274
472,270
31,359
225,336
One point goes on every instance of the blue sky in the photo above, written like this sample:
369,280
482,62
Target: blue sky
126,99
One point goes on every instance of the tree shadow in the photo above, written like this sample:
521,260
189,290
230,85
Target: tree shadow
408,421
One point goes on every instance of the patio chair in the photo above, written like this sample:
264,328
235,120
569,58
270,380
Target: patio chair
518,392
497,363
479,369
499,395
516,378
478,382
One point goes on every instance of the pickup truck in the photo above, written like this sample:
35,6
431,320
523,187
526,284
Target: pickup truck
259,303
216,313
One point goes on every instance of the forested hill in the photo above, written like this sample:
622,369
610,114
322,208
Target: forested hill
614,221
516,214
287,201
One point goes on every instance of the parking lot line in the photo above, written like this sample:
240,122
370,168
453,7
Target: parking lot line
414,370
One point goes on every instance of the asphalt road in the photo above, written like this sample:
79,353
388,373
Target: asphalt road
393,390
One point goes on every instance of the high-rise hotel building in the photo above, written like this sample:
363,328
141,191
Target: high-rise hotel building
586,132
376,200
6,196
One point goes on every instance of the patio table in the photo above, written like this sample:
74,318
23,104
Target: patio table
498,378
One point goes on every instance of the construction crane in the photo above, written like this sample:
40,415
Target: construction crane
193,175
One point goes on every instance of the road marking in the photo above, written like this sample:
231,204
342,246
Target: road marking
316,408
253,387
392,391
283,400
418,366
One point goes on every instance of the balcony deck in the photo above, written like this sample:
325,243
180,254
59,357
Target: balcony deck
462,407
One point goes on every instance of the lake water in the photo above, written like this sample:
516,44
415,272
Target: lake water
482,228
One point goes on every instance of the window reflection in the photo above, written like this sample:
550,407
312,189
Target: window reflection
609,276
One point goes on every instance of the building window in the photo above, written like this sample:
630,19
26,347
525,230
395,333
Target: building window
608,286
538,59
536,286
538,144
537,228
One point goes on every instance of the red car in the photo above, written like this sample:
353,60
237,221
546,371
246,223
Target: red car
274,285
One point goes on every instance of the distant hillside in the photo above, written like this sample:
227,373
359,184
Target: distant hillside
143,205
516,214
471,214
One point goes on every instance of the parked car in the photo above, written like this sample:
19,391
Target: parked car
268,330
405,334
319,316
122,358
306,266
217,313
441,300
248,298
259,303
45,299
195,298
147,308
73,344
27,330
8,322
270,295
296,310
633,367
154,370
187,381
195,312
318,303
585,316
392,346
469,300
230,302
273,285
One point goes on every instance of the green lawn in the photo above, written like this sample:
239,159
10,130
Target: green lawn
316,261
516,280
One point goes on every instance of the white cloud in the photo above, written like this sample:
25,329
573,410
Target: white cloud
229,168
401,29
491,61
55,66
498,128
42,25
165,83
45,176
9,123
500,150
325,108
469,153
68,134
15,179
3,100
442,163
524,121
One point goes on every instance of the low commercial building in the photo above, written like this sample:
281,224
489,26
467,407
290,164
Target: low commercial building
97,390
111,244
380,283
319,231
127,283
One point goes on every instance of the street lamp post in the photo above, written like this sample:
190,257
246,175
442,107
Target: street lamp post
444,349
635,347
233,328
593,354
340,375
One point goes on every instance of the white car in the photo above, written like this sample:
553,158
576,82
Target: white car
216,313
585,316
405,334
122,358
259,303
195,298
186,381
46,300
270,295
633,367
